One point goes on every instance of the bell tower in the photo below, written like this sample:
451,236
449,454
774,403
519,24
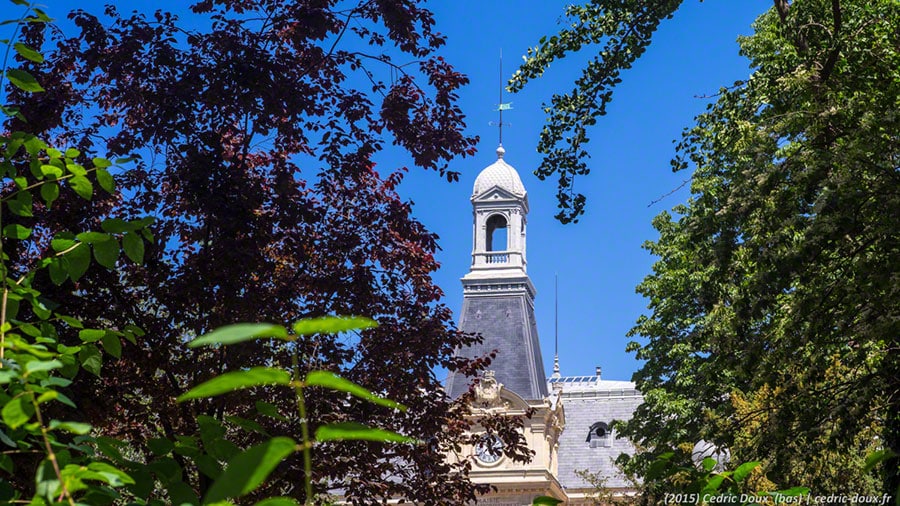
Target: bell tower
498,303
498,296
500,206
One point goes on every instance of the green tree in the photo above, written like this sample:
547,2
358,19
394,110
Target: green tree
50,456
773,325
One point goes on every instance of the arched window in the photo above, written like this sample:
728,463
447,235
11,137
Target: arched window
599,435
496,233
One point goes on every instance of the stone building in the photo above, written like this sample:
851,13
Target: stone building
570,431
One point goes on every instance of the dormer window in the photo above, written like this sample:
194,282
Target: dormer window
496,233
599,435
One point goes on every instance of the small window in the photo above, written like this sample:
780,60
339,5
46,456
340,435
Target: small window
599,435
496,233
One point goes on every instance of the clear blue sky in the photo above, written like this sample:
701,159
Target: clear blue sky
599,260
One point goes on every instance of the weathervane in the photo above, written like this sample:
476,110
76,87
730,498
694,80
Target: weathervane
501,106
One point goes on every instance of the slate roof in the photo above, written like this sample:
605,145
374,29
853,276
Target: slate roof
587,400
508,325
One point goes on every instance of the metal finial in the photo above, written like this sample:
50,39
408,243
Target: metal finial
556,326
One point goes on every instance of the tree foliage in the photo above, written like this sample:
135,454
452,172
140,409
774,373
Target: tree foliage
49,457
254,128
623,29
773,325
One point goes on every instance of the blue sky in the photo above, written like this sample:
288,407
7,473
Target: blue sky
599,261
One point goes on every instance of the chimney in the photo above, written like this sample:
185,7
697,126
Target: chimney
599,370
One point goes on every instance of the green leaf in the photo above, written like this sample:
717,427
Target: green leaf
656,469
93,237
73,427
47,396
10,110
248,425
134,247
116,477
105,179
61,397
270,410
249,469
16,231
77,261
82,186
7,375
21,205
237,380
91,335
277,501
357,431
17,412
332,325
240,332
23,80
72,153
7,440
708,464
744,470
28,52
112,344
160,446
134,329
39,16
181,493
110,447
6,464
545,500
42,365
33,145
166,468
107,252
117,226
713,484
208,465
12,308
101,163
57,270
62,242
791,492
49,192
41,311
51,171
877,457
91,360
330,380
74,168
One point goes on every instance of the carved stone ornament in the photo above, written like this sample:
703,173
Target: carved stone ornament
487,392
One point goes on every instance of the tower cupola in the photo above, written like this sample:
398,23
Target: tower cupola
500,206
499,175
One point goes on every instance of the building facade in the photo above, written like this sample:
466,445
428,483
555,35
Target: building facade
570,431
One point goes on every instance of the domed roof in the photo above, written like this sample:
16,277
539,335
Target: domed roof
499,174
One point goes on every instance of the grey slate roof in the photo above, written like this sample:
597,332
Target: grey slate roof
588,400
508,325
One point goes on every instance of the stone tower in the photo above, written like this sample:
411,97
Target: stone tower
498,296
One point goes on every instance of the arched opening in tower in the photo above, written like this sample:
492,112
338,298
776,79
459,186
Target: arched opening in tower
497,233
